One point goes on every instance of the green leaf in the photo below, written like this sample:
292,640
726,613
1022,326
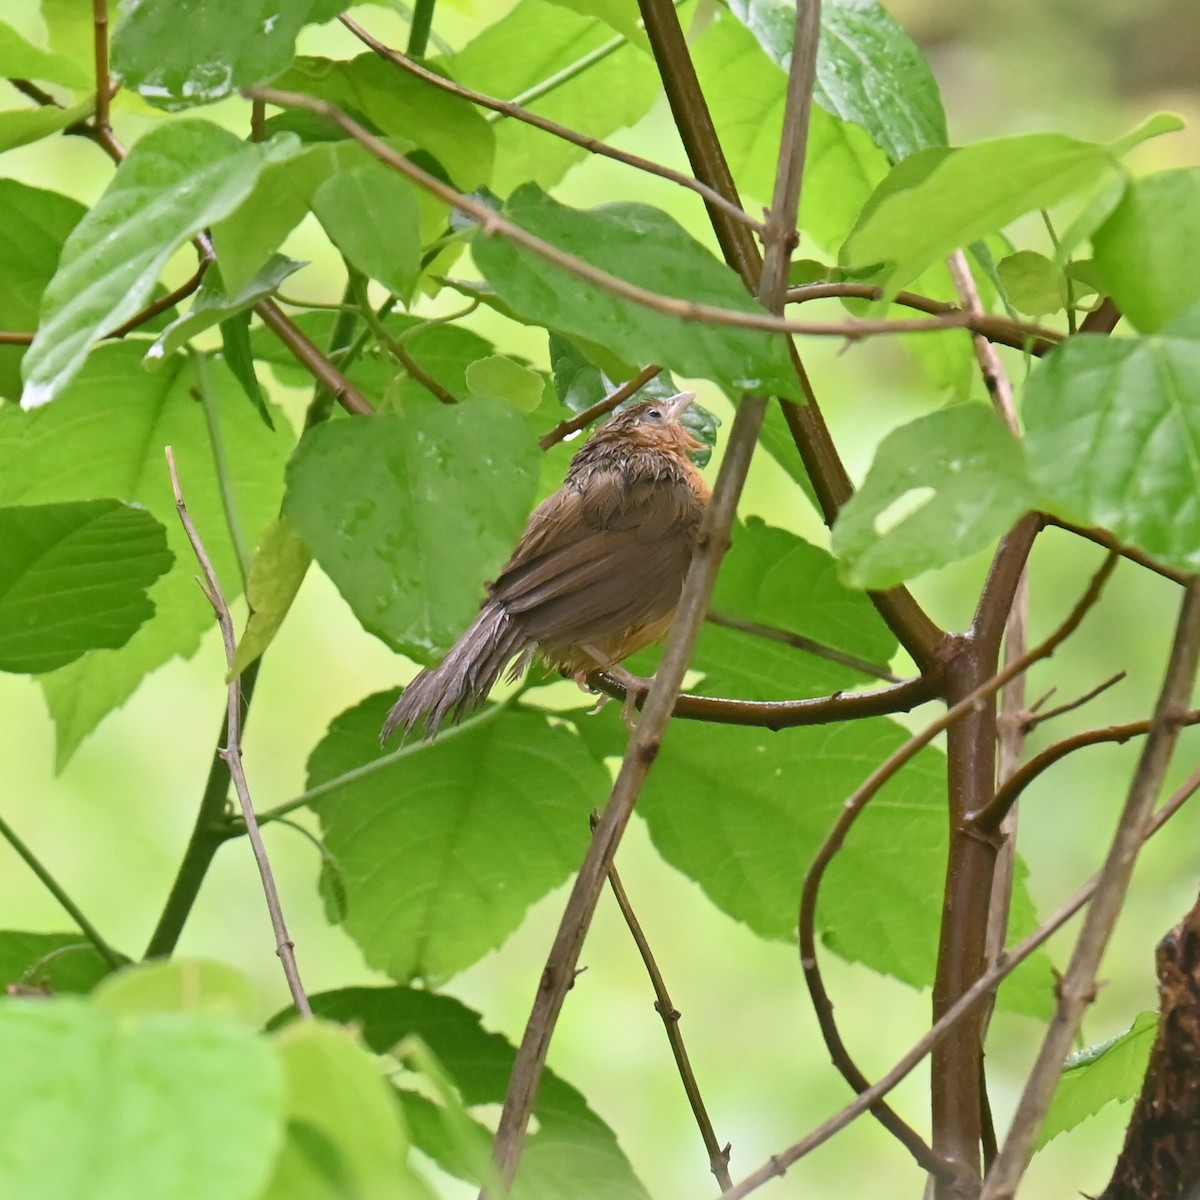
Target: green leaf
669,262
929,207
940,489
73,578
337,1095
35,225
20,59
276,573
621,15
104,437
572,1156
443,846
379,500
211,305
371,216
235,349
534,42
55,962
21,126
176,180
1033,283
109,1106
192,986
869,71
1098,1075
499,378
400,105
1113,437
1147,249
229,44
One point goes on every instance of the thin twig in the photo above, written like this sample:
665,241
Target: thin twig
509,108
810,645
1078,985
582,420
232,753
646,740
718,1155
114,960
1109,540
850,813
1034,718
100,58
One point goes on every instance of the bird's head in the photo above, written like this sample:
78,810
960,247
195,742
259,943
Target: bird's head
653,424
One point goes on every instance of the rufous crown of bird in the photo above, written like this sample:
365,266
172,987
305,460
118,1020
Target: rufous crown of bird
597,573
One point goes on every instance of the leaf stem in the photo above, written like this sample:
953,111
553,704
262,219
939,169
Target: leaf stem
418,30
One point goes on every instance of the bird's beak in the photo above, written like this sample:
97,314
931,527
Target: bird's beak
678,404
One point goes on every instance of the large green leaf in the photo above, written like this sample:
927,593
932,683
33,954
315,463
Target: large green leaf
537,41
1113,437
35,226
111,1106
379,502
345,1130
442,847
1098,1075
181,53
57,962
572,1156
176,180
869,71
21,59
941,488
104,437
73,578
669,261
1146,252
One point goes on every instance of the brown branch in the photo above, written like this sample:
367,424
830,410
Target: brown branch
809,645
1103,318
1078,985
1102,537
1020,335
646,740
508,108
1034,719
100,57
995,377
850,813
718,1156
581,420
232,753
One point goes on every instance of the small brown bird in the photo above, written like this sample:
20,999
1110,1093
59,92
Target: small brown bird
596,575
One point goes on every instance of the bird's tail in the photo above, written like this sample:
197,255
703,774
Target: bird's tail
464,677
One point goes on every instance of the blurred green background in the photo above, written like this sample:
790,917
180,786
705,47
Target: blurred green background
113,824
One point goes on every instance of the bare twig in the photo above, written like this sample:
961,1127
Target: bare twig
1033,718
646,740
100,58
1077,987
718,1155
232,753
995,377
509,108
582,420
1103,537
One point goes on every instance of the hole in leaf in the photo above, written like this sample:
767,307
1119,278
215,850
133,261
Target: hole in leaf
900,509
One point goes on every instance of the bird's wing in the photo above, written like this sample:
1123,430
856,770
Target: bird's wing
593,564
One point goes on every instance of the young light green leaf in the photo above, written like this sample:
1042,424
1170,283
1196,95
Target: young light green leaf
337,1098
52,962
21,126
182,986
670,262
621,15
235,349
104,437
176,180
1147,250
371,216
443,846
229,44
21,59
35,225
110,1106
1033,283
276,573
379,501
1098,1075
73,578
211,305
869,71
941,488
962,196
1113,437
499,378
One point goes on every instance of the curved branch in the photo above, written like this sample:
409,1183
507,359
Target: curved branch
581,420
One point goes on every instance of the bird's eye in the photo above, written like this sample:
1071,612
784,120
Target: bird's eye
654,414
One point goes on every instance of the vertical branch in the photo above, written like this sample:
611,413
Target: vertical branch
418,31
101,118
646,740
231,754
1078,985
